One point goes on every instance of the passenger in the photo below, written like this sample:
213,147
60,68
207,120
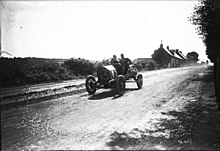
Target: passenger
125,62
114,59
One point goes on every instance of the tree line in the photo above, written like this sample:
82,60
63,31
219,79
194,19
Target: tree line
24,71
206,17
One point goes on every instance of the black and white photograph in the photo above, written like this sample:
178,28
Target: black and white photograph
110,74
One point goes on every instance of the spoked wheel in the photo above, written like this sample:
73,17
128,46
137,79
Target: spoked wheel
139,81
120,85
91,84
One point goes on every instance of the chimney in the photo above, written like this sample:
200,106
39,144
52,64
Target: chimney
168,48
161,45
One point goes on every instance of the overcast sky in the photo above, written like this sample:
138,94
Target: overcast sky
97,29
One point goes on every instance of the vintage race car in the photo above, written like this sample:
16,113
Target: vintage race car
110,76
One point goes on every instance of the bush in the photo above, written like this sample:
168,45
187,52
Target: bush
145,66
80,67
21,71
151,66
138,66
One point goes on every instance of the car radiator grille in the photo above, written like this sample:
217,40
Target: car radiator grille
103,76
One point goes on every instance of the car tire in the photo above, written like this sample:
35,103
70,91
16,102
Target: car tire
91,84
120,85
139,81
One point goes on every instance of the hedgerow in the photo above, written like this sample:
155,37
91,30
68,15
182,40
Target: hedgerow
145,66
80,67
22,71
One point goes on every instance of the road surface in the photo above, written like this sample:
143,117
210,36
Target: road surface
82,121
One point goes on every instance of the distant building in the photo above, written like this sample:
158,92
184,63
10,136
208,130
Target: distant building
143,60
168,57
5,54
60,61
179,58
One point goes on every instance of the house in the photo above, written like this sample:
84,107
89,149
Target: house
168,57
145,63
180,59
143,60
59,61
5,54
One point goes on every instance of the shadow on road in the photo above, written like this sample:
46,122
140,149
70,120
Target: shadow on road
111,93
176,133
103,95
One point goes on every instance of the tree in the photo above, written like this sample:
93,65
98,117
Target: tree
192,57
206,17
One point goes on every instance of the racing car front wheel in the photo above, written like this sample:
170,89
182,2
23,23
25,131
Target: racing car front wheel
120,84
91,84
139,81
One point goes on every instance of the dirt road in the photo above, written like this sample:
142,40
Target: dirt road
107,121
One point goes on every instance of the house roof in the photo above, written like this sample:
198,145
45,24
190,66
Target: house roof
176,53
172,54
177,56
167,51
161,48
181,55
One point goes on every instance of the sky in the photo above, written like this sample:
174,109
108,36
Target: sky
96,30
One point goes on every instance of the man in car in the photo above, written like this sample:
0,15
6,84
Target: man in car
114,59
125,62
115,62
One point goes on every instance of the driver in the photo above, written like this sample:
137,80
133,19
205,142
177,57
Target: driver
115,62
125,62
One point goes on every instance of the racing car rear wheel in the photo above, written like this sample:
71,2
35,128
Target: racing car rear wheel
120,84
90,84
139,81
